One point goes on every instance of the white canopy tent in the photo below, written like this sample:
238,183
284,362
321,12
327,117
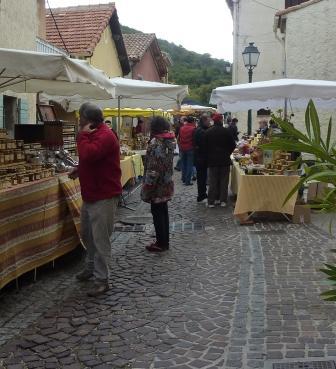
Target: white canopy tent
129,93
197,108
272,94
33,72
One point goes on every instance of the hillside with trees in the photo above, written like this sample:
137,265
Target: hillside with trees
200,72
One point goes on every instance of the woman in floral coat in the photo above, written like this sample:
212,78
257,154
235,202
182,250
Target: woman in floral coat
158,185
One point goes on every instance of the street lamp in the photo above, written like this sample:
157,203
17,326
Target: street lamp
250,57
228,68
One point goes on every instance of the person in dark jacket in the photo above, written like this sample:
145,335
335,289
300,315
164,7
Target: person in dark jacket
158,185
100,179
200,157
234,129
219,145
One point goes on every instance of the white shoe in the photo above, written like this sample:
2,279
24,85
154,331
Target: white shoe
223,204
211,206
217,202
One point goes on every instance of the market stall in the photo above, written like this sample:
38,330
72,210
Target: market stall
39,205
261,179
143,98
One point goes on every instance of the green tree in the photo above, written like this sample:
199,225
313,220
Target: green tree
200,72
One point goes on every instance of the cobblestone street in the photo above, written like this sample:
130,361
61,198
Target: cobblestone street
224,296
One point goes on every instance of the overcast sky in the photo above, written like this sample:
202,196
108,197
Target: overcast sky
197,25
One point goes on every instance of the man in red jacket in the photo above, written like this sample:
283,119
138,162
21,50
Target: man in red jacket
185,141
99,176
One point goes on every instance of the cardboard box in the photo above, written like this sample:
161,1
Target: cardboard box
301,214
316,190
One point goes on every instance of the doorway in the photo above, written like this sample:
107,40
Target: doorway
11,116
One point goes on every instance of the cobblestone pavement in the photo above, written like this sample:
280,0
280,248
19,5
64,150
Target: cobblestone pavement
224,296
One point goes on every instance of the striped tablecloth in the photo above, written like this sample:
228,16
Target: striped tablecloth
36,226
40,221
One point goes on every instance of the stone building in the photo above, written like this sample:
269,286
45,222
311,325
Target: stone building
19,26
90,32
288,34
146,58
309,44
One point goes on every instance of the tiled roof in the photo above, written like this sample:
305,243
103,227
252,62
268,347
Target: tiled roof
296,7
80,26
137,44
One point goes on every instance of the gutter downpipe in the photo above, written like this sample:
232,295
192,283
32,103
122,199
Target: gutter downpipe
277,20
235,40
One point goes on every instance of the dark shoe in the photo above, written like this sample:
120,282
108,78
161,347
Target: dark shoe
201,198
189,184
154,247
85,275
178,169
194,178
98,289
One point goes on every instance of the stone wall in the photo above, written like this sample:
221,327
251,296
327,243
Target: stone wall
19,25
255,24
310,48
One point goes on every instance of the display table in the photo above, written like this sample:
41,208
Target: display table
40,221
131,167
262,192
36,225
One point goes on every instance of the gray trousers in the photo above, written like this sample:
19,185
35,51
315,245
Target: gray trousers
97,222
218,184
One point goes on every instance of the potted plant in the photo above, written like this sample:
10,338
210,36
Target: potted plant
322,151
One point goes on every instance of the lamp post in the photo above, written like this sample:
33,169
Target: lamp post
250,57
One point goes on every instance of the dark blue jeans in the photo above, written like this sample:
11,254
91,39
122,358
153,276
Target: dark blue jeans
187,158
178,163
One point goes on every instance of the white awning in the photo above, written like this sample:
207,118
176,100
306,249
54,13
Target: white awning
131,93
33,72
271,94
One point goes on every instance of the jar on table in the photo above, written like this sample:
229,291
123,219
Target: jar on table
19,144
11,156
20,178
7,154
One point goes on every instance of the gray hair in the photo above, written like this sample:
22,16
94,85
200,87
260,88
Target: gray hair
91,112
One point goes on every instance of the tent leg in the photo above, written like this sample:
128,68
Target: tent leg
119,98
